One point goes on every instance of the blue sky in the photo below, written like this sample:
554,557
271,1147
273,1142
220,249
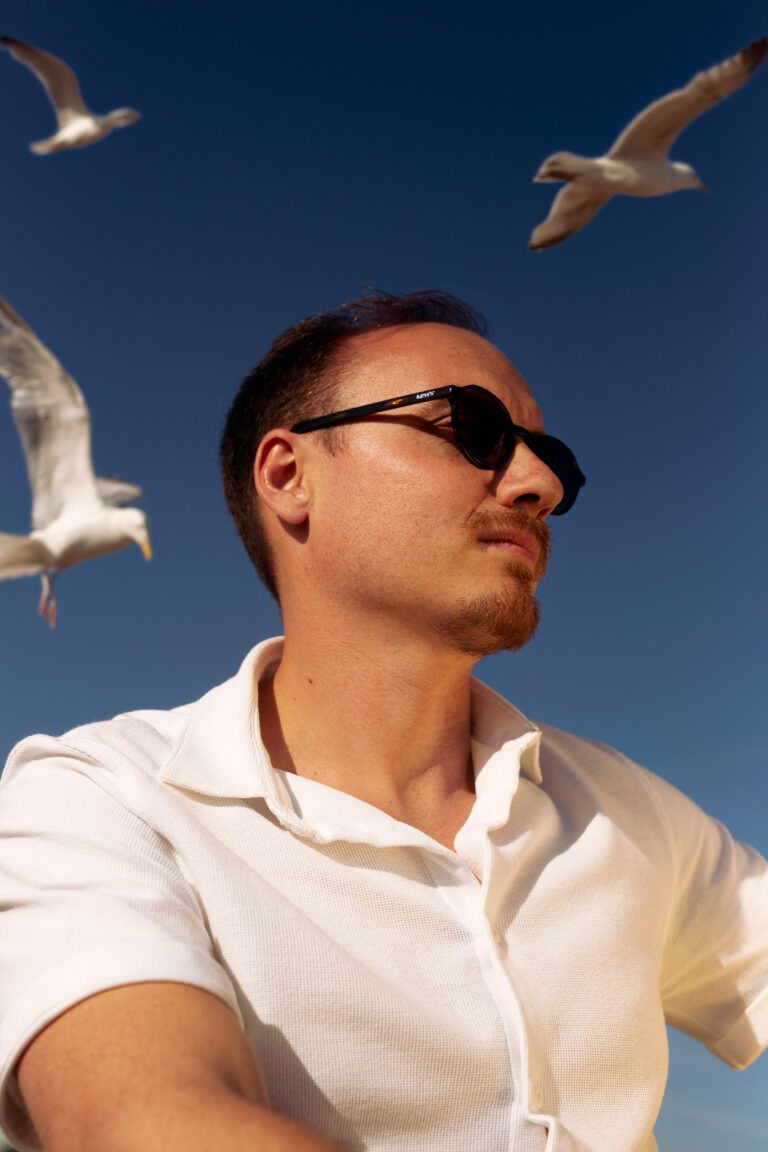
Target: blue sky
291,155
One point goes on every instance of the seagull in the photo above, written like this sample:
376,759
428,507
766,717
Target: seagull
76,515
638,164
78,126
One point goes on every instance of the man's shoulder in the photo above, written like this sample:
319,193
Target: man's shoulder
498,719
570,765
144,739
571,745
601,775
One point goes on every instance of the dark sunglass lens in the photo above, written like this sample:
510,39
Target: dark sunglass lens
561,460
486,435
482,427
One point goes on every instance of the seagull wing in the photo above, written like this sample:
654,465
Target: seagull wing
117,492
653,131
58,79
573,206
52,418
22,556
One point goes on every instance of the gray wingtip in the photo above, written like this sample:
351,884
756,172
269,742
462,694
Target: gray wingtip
540,245
754,54
11,317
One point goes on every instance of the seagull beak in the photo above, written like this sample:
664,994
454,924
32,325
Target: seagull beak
146,548
703,188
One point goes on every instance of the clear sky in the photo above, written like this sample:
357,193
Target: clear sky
291,155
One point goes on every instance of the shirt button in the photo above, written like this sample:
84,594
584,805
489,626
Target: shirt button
496,934
538,1097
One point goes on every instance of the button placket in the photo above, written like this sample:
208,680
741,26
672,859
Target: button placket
474,908
492,909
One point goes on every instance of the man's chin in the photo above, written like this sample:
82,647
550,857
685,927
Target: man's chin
493,622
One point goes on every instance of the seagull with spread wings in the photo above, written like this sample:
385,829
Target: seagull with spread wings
638,163
76,515
78,126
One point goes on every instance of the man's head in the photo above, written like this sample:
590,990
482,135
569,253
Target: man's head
297,380
383,517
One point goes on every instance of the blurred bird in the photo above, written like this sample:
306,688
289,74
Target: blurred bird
638,164
78,126
75,514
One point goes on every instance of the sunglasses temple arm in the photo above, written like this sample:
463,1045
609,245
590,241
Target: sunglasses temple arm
369,409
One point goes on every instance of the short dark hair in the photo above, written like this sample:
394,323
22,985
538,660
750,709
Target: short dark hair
295,381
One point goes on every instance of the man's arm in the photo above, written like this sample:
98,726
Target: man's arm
152,1066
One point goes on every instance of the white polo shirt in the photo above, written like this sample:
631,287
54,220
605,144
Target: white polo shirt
394,1003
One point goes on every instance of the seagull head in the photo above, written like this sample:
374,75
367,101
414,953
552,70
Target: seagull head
135,526
689,177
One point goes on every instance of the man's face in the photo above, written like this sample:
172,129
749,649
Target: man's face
403,525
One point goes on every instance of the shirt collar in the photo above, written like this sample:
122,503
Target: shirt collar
503,728
220,752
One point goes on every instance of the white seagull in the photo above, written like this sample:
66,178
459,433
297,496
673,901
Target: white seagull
75,514
78,126
638,163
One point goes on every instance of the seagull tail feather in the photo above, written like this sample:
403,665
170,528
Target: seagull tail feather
45,147
22,556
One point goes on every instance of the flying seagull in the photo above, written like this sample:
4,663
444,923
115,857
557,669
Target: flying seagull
638,164
76,515
78,126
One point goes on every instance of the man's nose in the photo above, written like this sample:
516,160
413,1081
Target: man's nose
525,480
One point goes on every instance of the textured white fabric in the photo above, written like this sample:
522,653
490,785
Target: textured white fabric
394,1003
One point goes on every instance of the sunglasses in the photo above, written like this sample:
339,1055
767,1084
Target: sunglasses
483,430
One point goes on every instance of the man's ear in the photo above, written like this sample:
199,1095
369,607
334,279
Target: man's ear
279,476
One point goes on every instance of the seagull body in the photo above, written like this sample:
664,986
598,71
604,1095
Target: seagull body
78,126
76,515
638,163
80,131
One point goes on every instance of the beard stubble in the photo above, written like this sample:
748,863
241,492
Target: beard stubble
507,618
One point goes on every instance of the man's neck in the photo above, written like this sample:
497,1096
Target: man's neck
389,724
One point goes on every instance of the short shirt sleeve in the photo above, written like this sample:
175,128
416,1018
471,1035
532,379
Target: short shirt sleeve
714,980
91,897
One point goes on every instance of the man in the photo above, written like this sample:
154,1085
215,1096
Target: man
351,898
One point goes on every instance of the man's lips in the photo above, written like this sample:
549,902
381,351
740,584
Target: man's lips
516,542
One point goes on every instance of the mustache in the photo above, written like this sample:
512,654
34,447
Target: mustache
483,522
